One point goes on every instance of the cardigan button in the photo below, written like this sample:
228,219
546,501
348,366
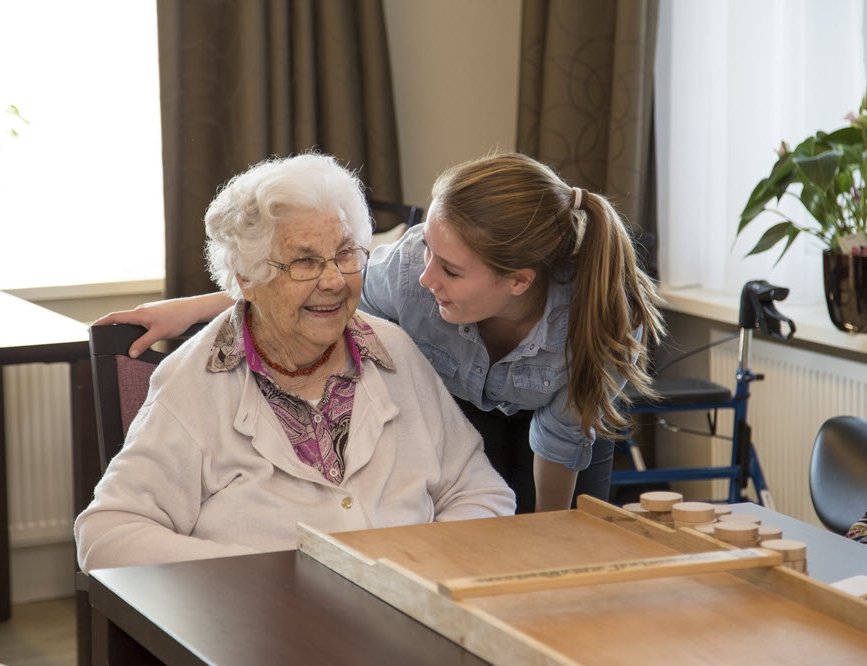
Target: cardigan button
346,503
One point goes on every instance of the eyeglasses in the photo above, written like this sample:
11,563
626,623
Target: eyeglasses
348,261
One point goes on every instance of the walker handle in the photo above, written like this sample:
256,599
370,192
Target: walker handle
758,311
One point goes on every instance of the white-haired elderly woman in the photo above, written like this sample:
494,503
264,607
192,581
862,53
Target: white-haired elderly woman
290,406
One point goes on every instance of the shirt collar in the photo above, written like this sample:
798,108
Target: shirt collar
551,330
232,344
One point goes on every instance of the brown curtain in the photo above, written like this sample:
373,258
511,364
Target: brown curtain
242,80
586,92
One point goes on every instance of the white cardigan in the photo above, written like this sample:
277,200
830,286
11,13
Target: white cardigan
206,470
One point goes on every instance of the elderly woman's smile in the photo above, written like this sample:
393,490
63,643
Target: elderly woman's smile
295,321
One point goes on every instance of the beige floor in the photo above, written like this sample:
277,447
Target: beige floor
39,634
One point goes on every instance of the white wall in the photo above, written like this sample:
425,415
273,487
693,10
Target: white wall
455,69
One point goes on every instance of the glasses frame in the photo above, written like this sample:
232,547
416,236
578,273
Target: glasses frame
323,262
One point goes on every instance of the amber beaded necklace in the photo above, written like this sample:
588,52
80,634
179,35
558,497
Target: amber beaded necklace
300,372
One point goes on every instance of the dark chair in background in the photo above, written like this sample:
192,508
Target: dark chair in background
388,215
838,472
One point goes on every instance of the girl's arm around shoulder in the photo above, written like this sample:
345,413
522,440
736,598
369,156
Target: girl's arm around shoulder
167,319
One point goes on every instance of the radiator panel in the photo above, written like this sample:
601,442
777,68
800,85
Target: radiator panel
38,453
800,391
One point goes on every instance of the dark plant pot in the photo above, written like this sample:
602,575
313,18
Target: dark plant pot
846,290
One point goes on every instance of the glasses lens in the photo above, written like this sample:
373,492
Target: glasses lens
351,260
306,268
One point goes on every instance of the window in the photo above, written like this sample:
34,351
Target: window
734,79
81,192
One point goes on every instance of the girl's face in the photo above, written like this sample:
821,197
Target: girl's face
466,289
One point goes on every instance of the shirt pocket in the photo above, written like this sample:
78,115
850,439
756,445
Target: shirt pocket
444,363
540,378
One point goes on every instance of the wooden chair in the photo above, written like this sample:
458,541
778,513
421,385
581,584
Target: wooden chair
838,472
120,383
120,386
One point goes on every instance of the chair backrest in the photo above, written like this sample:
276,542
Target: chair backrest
388,215
838,472
120,383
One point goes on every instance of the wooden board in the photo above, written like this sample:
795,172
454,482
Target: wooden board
764,615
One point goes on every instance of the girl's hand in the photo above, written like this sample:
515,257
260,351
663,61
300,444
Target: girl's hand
168,318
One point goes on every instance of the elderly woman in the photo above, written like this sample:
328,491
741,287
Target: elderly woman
290,406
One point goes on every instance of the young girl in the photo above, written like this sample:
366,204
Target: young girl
525,295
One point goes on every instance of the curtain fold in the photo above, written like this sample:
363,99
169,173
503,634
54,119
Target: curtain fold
586,96
243,80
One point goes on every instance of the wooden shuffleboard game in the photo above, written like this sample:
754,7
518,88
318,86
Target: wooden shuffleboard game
598,585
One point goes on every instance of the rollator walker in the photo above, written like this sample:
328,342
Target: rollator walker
757,311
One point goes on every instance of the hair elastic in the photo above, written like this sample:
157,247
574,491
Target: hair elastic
578,196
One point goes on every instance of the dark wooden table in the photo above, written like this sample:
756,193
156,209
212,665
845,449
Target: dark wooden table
273,608
286,608
33,334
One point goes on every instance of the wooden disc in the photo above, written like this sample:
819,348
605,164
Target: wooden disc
768,532
736,530
740,517
791,549
722,510
686,523
704,529
693,512
659,500
636,508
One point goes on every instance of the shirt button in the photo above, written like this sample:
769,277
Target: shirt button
333,472
477,370
547,382
466,329
532,346
317,418
346,503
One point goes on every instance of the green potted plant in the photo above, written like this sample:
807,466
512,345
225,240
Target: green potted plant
825,172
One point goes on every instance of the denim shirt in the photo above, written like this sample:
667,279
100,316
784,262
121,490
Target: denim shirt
532,376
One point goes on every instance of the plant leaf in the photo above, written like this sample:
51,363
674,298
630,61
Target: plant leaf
773,187
819,169
774,235
820,204
846,136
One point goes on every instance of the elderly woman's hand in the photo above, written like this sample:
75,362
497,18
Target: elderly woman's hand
167,319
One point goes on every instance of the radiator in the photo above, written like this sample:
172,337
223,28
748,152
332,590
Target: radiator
38,453
800,391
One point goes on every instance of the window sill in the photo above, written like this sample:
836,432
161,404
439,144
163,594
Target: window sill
82,291
813,327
